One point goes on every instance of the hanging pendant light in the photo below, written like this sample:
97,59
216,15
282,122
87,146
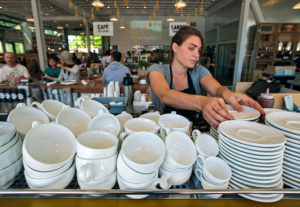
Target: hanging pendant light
125,2
170,19
97,3
180,4
188,19
76,12
196,14
201,8
113,19
157,5
84,21
136,37
181,14
122,21
70,4
115,4
150,23
296,6
128,28
154,13
118,12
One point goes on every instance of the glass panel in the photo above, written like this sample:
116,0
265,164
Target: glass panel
1,48
19,48
9,47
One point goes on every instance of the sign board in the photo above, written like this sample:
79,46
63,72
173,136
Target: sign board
103,28
175,26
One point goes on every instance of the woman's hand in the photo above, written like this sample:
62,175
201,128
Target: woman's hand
59,65
238,99
215,111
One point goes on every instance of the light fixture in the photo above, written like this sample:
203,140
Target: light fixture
296,6
67,25
1,7
122,27
108,7
31,28
59,27
180,4
82,33
113,19
97,3
29,19
170,19
70,4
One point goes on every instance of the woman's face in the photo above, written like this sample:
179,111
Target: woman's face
52,63
188,53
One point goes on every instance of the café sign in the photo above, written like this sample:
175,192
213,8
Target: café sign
174,27
103,28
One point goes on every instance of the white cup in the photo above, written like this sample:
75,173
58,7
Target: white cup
95,169
74,119
215,170
23,116
143,151
48,147
173,122
180,150
105,92
91,107
169,178
106,183
143,98
138,125
105,122
110,90
7,132
131,175
96,145
137,96
50,107
208,186
154,116
123,117
206,145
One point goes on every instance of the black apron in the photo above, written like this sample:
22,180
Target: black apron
189,114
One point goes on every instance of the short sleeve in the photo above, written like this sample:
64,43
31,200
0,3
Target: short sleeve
160,68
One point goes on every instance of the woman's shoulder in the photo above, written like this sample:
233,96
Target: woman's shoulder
200,70
159,67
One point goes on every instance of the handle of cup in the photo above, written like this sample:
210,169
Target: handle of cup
35,123
164,131
86,172
20,105
163,182
123,135
80,101
198,173
173,112
101,111
36,104
200,160
155,130
195,134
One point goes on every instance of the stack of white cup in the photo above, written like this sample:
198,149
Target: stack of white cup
180,157
213,172
112,89
96,160
10,154
48,155
138,162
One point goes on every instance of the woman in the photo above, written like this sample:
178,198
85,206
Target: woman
176,87
70,70
52,72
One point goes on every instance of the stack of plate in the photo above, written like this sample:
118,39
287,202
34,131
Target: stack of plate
248,114
255,154
289,124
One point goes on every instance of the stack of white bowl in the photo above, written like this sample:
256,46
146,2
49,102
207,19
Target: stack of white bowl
211,171
48,157
248,114
138,162
289,124
10,154
255,154
96,160
178,163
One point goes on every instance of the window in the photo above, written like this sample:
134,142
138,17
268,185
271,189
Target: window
19,48
1,48
9,47
78,42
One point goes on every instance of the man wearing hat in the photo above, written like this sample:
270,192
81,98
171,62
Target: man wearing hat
70,71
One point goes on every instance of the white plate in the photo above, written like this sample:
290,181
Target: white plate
288,167
296,147
271,110
286,133
248,113
257,183
293,141
251,160
294,176
291,183
252,133
291,178
288,156
292,153
250,149
253,156
253,197
292,149
68,82
291,161
287,121
292,166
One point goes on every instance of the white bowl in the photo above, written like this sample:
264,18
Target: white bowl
11,155
105,122
9,173
7,131
9,144
123,117
23,116
45,174
154,116
48,147
74,119
106,183
175,178
95,169
57,182
174,122
143,151
96,144
92,107
50,107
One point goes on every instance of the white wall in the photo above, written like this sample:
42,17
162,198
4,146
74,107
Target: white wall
126,41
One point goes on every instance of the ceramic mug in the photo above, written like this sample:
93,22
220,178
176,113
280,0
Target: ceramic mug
206,145
50,107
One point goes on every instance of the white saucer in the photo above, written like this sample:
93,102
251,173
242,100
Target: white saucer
258,183
291,183
287,121
248,113
68,82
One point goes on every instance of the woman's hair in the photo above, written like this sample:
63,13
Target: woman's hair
53,57
180,36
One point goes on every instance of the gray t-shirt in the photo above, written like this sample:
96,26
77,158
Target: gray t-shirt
196,74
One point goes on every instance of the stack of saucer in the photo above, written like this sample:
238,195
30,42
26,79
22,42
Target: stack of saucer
10,154
289,124
255,154
248,114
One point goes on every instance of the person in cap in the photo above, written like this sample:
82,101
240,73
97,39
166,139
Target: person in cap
70,70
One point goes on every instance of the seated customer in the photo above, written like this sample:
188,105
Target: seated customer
52,72
70,70
116,71
12,68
